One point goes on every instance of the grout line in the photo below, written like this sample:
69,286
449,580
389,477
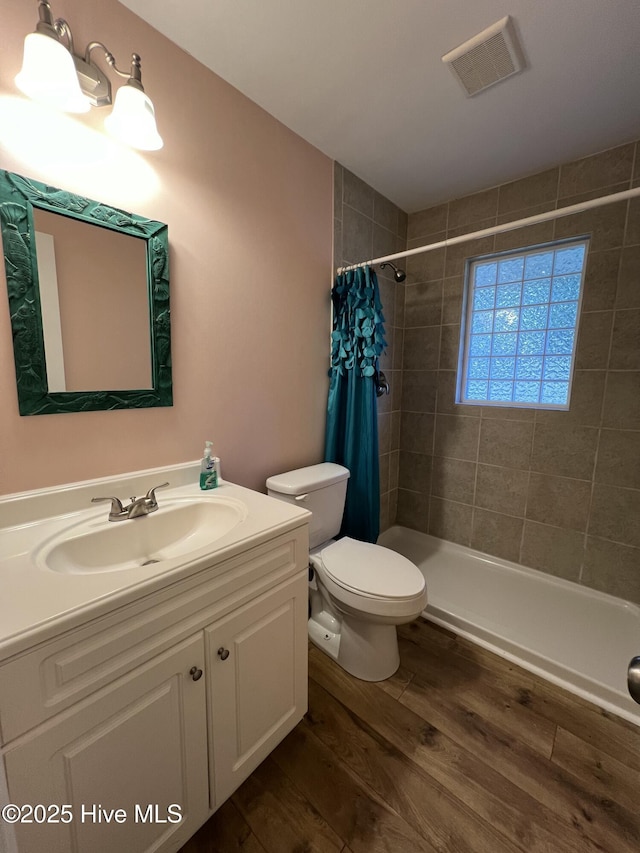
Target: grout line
526,494
600,428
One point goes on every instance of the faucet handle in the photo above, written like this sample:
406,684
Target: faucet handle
151,494
117,509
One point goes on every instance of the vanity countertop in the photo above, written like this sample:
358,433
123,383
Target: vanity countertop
38,603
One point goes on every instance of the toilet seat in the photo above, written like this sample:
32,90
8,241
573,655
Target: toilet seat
371,571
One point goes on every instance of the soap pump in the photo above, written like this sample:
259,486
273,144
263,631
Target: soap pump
208,472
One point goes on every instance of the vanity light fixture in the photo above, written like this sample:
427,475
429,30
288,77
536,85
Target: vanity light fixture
52,72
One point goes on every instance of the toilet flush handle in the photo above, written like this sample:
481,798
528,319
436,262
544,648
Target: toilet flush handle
301,497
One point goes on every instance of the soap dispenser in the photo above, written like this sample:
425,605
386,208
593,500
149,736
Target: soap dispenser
208,472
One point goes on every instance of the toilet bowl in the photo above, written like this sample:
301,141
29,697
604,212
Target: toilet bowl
358,591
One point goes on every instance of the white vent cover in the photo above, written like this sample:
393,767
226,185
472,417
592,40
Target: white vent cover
486,59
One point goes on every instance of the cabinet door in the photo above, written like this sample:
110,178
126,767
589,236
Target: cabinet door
257,662
138,746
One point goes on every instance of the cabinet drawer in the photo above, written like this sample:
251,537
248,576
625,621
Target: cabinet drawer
41,683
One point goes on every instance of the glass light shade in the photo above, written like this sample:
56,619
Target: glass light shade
48,74
133,119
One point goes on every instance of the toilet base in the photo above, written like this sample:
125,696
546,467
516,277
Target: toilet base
367,650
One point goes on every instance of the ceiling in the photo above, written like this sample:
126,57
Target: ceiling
363,81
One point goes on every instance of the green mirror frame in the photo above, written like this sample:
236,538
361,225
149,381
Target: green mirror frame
18,197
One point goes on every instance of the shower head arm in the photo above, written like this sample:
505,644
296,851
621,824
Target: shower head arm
399,275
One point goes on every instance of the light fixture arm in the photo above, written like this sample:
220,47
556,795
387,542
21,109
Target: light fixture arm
134,76
56,29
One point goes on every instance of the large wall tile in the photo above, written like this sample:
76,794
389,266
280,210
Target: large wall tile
541,188
450,520
497,534
612,568
457,437
597,171
384,432
357,236
594,340
565,451
423,304
505,443
615,514
473,209
622,400
416,432
526,235
628,291
414,472
601,280
357,194
453,479
385,212
450,347
605,224
337,189
419,390
421,348
452,289
427,266
384,515
427,222
383,465
385,242
501,489
558,501
413,510
625,352
553,550
632,233
619,458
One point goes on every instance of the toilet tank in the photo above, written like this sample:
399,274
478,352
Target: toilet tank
319,488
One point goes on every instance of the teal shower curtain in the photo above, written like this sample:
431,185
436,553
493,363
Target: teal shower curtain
352,424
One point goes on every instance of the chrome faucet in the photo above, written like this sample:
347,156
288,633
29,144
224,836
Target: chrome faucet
135,509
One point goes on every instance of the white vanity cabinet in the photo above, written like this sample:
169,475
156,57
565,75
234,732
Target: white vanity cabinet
255,696
140,742
158,709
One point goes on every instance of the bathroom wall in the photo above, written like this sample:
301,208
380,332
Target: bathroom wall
248,204
558,491
367,225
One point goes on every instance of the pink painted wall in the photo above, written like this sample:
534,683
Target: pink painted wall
249,209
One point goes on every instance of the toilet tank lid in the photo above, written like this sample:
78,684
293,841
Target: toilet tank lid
307,479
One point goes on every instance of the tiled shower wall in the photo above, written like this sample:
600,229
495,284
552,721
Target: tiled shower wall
367,225
558,491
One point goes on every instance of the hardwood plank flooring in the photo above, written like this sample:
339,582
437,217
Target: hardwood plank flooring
460,752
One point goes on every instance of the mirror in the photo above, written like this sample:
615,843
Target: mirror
88,289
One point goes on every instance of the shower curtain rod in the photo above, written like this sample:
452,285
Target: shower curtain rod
499,229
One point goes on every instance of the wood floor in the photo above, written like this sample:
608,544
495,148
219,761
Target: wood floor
460,752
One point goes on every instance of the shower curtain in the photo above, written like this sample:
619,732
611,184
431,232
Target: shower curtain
352,424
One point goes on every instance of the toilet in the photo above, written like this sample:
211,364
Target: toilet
358,592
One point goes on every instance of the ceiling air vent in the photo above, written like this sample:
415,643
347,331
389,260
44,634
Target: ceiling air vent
491,56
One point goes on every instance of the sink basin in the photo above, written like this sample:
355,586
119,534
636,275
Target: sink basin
178,529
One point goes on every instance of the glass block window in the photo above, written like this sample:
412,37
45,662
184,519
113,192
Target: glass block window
520,326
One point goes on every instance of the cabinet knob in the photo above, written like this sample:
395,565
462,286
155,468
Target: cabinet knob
195,673
223,653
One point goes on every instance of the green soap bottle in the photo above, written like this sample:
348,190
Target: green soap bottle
208,473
